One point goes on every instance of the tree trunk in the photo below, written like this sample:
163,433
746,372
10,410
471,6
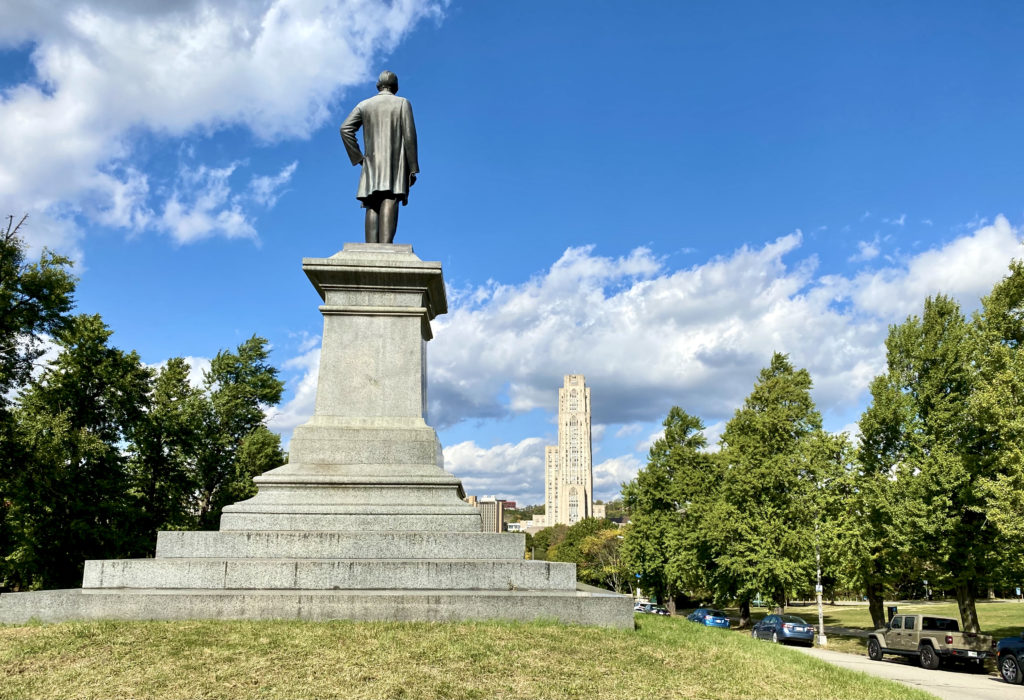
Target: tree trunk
780,602
968,613
991,593
744,613
876,604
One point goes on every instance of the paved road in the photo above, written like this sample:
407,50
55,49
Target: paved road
956,684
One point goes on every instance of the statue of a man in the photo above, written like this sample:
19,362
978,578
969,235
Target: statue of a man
389,161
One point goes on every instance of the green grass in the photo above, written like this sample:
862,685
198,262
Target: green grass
663,658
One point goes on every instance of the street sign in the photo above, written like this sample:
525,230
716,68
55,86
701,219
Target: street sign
818,588
1018,590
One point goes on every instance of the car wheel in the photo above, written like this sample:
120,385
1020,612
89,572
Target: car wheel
1009,669
929,659
874,650
775,637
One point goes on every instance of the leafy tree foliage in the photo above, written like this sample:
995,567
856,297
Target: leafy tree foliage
589,558
236,446
547,538
35,299
664,543
945,426
70,500
744,521
774,457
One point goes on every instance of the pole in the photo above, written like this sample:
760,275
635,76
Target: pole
822,639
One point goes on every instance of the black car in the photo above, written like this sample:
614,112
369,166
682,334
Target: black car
1010,659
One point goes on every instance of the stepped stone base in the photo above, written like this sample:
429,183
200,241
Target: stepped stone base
571,607
363,523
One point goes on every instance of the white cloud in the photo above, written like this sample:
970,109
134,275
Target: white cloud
108,70
265,189
298,409
202,206
610,474
507,470
648,337
966,268
629,429
866,250
902,220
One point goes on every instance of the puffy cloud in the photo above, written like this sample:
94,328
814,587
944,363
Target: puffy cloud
507,470
965,268
866,250
302,388
107,70
648,337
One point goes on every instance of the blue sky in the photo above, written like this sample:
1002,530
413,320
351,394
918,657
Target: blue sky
656,195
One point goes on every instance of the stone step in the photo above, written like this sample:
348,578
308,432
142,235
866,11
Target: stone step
340,545
257,515
326,574
568,607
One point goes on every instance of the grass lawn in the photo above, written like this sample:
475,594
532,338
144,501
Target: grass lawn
998,618
663,658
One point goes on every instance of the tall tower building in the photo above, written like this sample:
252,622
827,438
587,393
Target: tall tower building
568,467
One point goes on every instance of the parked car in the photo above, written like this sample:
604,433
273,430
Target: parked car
709,617
650,609
784,628
1010,659
929,639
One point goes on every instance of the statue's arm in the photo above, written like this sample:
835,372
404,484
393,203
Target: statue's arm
409,138
349,127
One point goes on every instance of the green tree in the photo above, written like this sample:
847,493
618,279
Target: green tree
165,450
948,435
664,543
571,549
602,551
70,499
235,443
35,299
773,455
998,402
547,538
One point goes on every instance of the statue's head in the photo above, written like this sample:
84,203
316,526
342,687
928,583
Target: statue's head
388,81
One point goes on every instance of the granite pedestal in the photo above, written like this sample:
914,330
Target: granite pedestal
363,522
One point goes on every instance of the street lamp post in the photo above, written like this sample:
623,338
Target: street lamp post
822,639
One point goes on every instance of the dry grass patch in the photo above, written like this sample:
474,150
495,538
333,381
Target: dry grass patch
663,658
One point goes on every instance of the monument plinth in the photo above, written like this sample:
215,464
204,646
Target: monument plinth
363,522
367,460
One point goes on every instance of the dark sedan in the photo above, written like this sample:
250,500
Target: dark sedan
1010,659
709,617
784,628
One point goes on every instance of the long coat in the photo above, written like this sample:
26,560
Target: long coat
389,133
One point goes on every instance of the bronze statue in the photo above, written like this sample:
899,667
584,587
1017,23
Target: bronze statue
389,162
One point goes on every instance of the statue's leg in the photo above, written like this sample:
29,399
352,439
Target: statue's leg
388,219
372,222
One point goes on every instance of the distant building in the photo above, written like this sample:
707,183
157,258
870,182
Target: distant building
568,466
514,527
599,511
510,505
471,500
492,514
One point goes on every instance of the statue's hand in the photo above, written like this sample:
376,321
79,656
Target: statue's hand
412,179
